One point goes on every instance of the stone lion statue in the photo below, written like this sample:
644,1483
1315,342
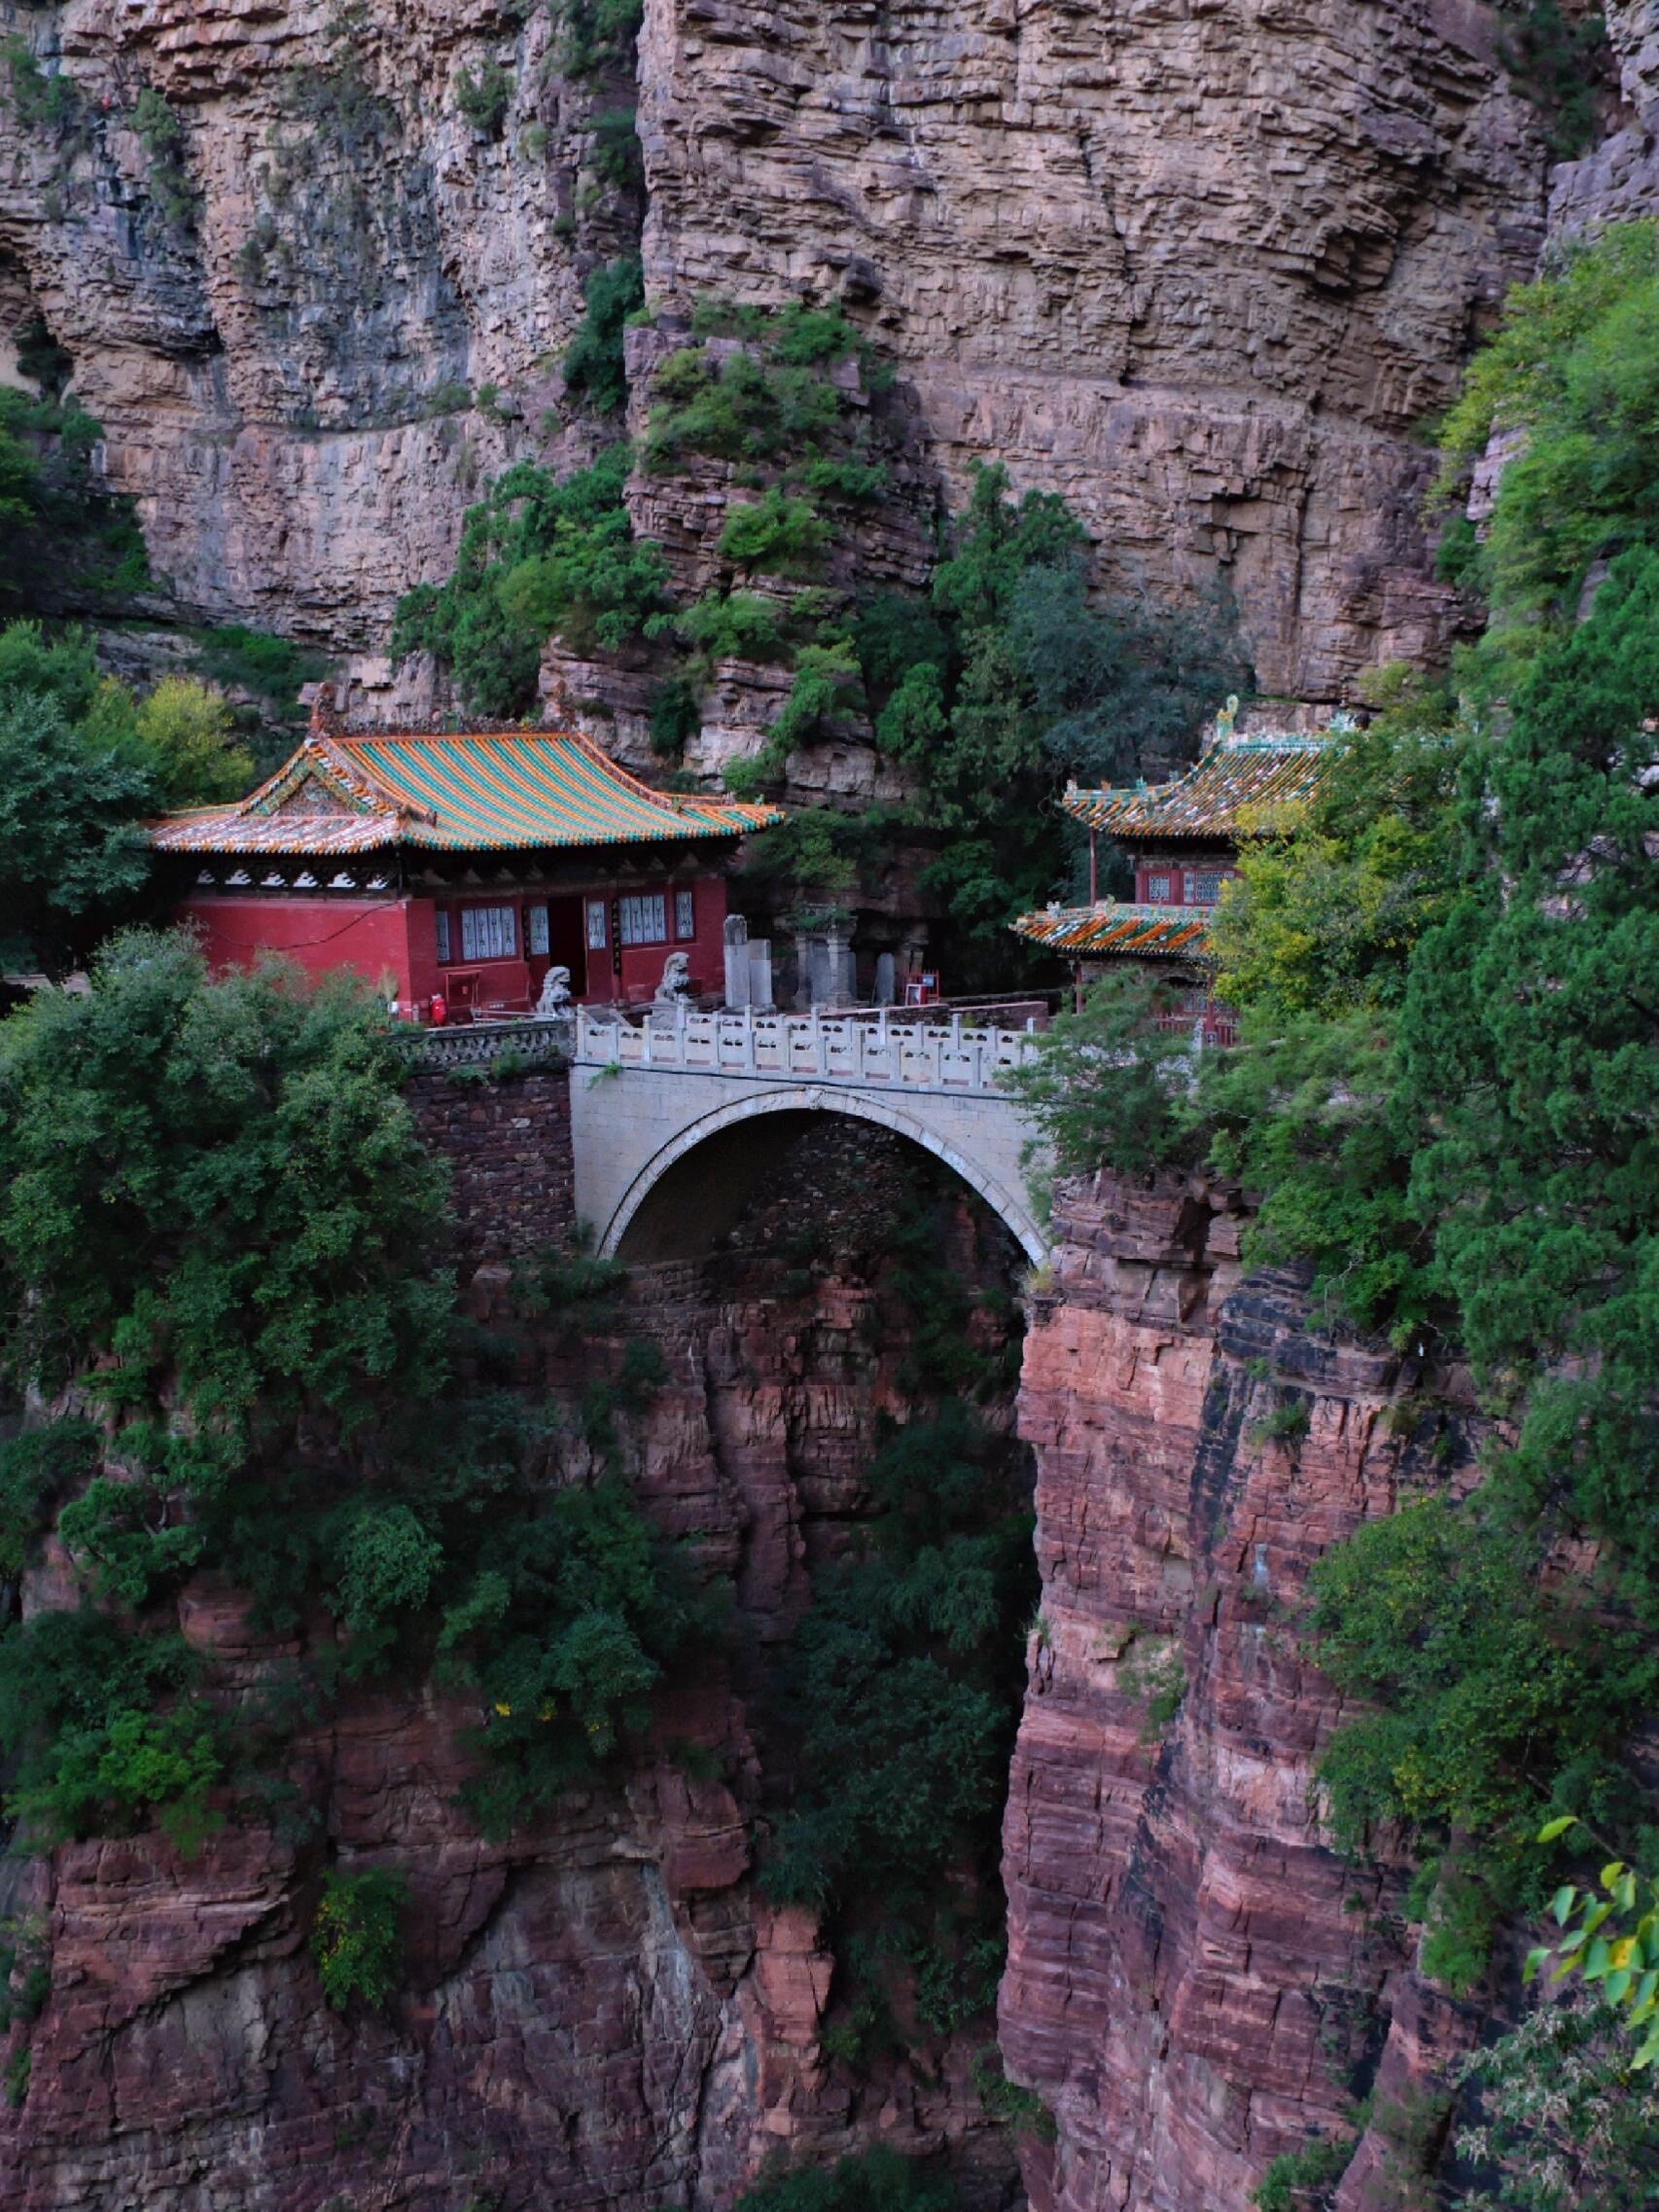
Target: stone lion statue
676,981
555,994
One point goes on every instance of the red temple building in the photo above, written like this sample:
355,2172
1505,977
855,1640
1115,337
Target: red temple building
463,865
1183,840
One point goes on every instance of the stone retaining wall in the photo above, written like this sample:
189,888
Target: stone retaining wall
509,1145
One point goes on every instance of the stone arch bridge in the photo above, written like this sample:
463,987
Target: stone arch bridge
671,1117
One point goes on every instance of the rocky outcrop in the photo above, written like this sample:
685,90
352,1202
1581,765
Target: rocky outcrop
1196,1983
604,2008
285,336
1200,268
1618,179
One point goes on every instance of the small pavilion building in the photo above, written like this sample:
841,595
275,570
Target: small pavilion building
463,865
1183,840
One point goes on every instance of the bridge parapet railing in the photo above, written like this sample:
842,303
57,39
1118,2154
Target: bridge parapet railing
865,1046
541,1043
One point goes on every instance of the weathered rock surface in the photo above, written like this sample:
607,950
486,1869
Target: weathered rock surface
1199,268
1196,1982
603,2010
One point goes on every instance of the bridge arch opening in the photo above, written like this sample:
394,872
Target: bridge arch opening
691,1193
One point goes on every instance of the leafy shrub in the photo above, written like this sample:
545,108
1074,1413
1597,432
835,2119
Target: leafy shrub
40,102
730,625
564,1623
616,154
1496,1703
357,1936
593,362
483,95
1109,1085
1297,2177
1562,62
163,139
598,34
36,1469
775,535
272,669
1564,2123
876,2180
103,1731
62,523
1575,370
536,556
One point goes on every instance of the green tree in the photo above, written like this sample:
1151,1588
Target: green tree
1530,1059
73,857
593,362
357,1936
536,558
219,1185
1113,1083
1573,375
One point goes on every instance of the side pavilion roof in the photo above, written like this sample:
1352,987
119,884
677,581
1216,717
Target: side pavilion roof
1227,796
465,792
1116,927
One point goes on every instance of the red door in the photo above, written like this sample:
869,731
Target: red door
566,942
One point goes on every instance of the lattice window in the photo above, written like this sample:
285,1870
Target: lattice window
441,920
1203,887
644,918
1157,890
488,933
684,916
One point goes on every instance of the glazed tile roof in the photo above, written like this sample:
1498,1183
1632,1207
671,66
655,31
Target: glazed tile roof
1115,927
1220,798
493,791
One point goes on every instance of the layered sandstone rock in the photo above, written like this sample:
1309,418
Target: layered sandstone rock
603,2008
1196,1982
1201,269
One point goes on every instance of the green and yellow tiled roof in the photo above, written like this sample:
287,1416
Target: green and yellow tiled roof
1233,791
485,791
1116,928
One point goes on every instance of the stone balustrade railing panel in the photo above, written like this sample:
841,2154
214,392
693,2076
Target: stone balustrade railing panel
858,1047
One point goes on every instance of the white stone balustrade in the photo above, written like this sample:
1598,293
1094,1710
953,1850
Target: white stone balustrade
872,1050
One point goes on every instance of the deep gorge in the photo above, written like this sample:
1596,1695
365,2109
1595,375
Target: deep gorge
924,1745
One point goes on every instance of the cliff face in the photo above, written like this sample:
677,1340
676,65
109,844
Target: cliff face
1200,268
602,2009
1196,1983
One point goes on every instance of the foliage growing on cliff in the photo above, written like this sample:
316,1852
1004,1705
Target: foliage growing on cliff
68,540
593,360
877,2180
215,1212
1011,678
219,1186
1109,1085
900,1693
82,761
357,1936
103,1731
162,136
1573,375
1498,1701
1562,2123
483,95
1563,62
597,33
537,557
